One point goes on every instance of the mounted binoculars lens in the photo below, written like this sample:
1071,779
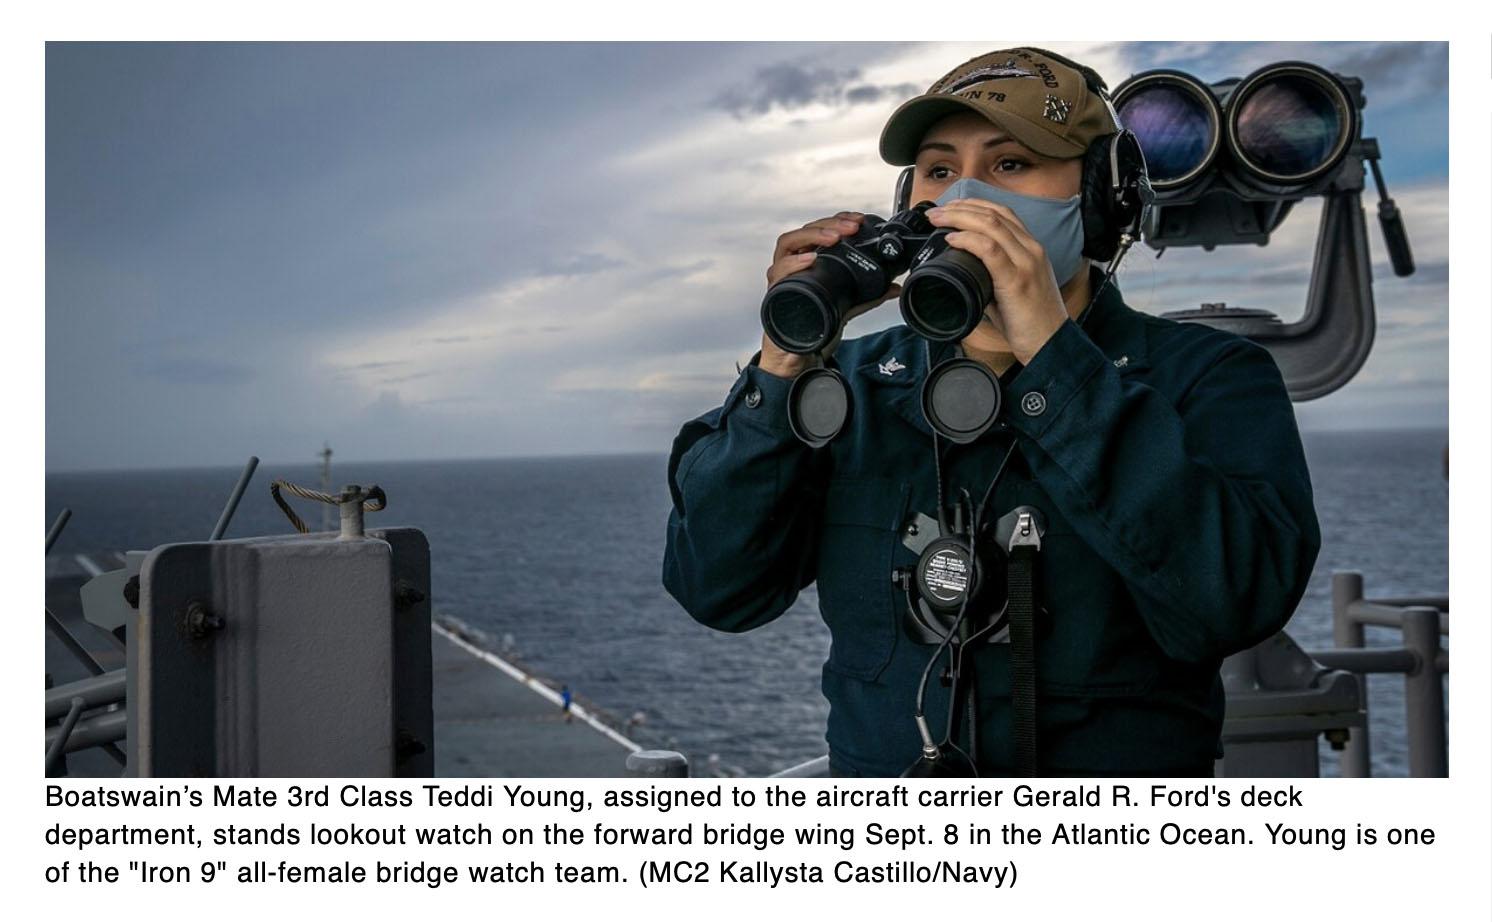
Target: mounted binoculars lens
1177,121
1284,125
1290,123
943,298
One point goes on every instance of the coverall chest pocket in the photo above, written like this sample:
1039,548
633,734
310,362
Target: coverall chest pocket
861,525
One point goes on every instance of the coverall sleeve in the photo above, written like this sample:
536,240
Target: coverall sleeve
742,534
1203,505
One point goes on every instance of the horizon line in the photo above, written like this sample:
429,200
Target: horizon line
550,456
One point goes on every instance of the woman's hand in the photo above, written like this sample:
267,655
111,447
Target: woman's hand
795,252
1028,305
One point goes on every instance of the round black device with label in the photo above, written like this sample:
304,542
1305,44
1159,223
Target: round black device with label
945,576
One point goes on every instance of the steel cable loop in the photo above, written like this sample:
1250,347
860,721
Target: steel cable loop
375,500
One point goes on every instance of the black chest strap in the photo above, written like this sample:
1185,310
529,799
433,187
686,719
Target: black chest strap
1025,544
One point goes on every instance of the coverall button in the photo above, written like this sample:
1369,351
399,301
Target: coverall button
754,398
1033,404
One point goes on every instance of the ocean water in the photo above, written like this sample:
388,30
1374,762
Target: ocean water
556,561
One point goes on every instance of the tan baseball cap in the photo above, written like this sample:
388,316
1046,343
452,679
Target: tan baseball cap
1040,98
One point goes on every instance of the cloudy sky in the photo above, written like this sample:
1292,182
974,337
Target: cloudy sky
431,251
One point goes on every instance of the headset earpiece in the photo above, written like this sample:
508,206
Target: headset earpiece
1116,191
902,197
1132,191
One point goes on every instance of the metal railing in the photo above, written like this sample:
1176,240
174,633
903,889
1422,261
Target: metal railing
103,693
1422,620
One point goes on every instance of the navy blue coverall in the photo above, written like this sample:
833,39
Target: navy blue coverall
1180,530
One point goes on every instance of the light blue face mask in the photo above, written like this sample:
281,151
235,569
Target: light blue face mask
1057,224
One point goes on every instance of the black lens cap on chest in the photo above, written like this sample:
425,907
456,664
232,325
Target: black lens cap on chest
818,405
961,400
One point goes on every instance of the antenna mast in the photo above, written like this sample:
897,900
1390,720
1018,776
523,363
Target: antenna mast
326,483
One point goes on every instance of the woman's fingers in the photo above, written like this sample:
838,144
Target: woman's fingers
787,265
1003,211
823,232
987,236
995,256
995,221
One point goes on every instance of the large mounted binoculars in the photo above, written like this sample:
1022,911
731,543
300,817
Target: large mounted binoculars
1229,159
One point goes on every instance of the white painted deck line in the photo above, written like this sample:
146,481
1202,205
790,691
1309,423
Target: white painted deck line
538,687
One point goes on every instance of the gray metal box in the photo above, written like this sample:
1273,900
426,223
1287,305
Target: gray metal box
279,657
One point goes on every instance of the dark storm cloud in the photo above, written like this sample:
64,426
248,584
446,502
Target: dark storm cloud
1389,70
457,339
196,370
793,86
415,376
1397,65
663,273
281,177
866,93
790,86
424,236
576,264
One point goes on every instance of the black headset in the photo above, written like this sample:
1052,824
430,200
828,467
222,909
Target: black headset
1115,185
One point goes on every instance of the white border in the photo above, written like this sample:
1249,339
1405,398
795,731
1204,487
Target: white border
1449,882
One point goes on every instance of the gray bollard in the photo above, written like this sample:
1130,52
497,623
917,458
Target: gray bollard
1347,634
657,763
352,511
1424,701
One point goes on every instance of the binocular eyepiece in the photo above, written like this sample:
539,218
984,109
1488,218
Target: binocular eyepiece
942,299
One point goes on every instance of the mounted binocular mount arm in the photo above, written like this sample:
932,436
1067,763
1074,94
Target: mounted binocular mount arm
1323,350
